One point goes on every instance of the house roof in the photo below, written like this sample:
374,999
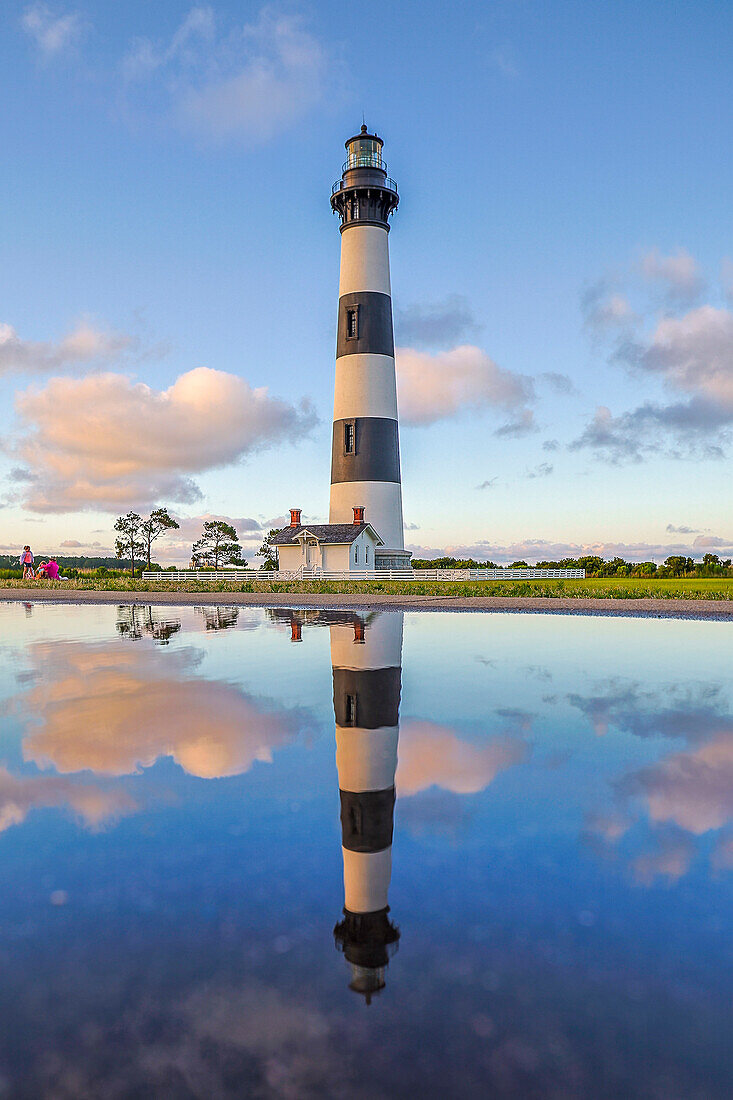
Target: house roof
344,533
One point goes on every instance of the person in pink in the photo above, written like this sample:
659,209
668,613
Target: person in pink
26,560
52,570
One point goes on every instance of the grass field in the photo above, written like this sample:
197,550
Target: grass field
609,588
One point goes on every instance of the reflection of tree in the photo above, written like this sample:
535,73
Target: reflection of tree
219,618
134,622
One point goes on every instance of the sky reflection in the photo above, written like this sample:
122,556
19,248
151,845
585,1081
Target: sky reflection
544,910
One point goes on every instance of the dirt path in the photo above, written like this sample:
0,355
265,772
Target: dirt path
672,608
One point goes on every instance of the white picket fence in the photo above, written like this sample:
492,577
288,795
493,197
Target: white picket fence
365,575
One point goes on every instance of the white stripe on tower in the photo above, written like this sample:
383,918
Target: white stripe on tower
365,459
366,659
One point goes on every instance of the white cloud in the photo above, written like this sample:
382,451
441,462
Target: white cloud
83,345
52,34
692,354
678,273
437,387
107,443
604,308
249,83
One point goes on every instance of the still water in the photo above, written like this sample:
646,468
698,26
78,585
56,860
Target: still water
210,889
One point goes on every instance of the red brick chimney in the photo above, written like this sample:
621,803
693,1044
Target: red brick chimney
296,630
358,516
359,634
295,517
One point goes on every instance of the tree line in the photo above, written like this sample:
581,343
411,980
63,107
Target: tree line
712,565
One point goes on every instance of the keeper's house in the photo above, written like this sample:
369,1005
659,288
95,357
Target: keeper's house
328,546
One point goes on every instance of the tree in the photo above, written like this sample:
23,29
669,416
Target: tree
269,552
157,522
217,546
130,543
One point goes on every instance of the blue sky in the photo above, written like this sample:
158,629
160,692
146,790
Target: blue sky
564,171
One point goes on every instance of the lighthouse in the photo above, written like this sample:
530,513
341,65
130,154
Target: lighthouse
365,455
366,656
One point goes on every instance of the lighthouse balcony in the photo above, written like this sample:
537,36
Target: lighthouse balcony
386,184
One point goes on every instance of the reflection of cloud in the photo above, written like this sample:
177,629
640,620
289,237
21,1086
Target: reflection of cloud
671,861
692,717
20,793
692,789
722,857
431,755
611,827
114,711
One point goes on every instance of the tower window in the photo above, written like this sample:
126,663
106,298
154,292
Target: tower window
350,710
349,438
352,323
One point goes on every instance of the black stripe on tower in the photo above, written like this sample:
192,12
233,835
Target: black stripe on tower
367,698
367,819
365,448
365,324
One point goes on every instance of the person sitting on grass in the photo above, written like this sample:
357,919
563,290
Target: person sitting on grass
26,560
49,570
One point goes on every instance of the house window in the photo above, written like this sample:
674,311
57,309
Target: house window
350,710
356,555
349,438
366,554
352,323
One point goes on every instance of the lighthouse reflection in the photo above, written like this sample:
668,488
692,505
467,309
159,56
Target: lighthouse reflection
366,656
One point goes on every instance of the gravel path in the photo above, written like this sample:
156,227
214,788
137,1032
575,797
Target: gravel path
671,608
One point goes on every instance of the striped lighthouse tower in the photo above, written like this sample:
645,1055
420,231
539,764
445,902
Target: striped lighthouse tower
366,658
365,457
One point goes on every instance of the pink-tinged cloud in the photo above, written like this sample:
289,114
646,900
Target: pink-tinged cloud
85,345
96,806
107,443
443,385
671,861
695,353
115,711
678,273
431,755
693,790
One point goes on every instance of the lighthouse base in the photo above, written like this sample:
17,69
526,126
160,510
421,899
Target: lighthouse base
392,559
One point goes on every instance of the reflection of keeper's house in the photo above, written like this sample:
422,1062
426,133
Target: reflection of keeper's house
328,546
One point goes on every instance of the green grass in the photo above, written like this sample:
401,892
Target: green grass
611,588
